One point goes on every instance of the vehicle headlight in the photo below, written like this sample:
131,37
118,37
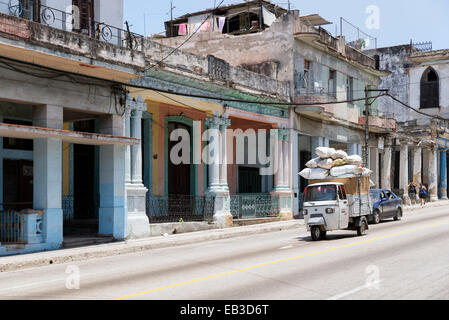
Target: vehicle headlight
329,210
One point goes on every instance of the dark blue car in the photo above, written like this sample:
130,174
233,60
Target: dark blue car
386,205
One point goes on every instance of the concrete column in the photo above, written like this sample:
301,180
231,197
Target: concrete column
282,191
403,173
47,180
223,155
286,166
386,168
218,186
214,151
442,192
295,170
433,174
127,133
138,225
374,166
417,164
112,213
136,150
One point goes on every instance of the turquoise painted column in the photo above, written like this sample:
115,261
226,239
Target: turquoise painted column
112,213
442,194
47,180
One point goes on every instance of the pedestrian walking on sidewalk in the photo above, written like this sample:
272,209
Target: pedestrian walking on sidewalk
423,194
412,192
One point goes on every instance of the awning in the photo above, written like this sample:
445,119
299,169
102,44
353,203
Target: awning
211,108
315,20
30,132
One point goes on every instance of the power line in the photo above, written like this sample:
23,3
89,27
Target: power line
186,40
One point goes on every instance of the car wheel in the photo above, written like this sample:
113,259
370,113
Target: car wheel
361,231
376,217
398,215
315,233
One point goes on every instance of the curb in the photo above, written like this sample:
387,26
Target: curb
440,203
20,262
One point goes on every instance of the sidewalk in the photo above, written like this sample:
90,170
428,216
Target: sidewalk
439,203
10,263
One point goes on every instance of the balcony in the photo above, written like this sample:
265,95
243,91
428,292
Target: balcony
55,18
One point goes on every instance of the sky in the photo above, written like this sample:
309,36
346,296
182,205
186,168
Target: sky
392,22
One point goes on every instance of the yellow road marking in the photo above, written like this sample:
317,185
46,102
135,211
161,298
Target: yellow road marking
283,260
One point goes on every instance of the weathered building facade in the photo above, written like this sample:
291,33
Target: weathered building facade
419,151
89,120
321,70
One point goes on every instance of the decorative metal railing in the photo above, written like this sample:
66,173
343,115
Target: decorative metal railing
11,227
257,205
422,46
180,208
28,9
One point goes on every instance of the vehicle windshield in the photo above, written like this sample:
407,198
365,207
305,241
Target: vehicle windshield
320,193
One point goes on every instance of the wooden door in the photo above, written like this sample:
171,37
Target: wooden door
178,175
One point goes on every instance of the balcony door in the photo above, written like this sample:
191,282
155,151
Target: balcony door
86,16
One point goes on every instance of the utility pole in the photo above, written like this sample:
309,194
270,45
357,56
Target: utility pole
367,114
289,7
171,17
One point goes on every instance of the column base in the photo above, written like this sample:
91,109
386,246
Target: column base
222,208
406,199
284,194
138,225
433,198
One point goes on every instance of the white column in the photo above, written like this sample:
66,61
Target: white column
403,173
127,133
374,165
386,167
136,150
223,155
433,174
279,176
214,151
47,181
286,166
137,221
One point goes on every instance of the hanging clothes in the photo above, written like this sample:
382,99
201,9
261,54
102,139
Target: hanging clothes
221,23
205,27
268,17
182,31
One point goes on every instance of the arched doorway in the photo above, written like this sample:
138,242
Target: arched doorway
430,89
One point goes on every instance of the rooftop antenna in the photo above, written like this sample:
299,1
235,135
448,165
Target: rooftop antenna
171,17
289,7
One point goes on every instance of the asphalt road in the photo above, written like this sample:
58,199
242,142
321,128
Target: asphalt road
395,260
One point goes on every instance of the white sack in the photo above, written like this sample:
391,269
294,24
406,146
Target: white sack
339,154
355,159
324,152
343,170
326,164
314,174
313,163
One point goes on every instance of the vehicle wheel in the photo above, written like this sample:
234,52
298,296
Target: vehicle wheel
361,231
376,217
323,235
316,233
398,215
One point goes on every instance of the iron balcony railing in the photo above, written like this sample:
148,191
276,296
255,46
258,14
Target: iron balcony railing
31,10
11,226
254,205
180,208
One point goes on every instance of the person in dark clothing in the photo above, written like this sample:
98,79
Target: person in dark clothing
423,194
412,192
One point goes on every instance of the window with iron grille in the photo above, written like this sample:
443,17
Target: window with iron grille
430,89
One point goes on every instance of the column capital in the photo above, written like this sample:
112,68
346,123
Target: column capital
133,104
217,122
282,134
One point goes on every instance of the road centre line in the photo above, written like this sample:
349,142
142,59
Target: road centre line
282,260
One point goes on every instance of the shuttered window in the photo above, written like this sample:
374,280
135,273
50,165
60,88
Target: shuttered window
86,10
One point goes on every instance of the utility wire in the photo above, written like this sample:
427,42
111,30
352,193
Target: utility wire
186,40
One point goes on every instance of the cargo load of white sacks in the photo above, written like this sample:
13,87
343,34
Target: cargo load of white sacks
333,163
